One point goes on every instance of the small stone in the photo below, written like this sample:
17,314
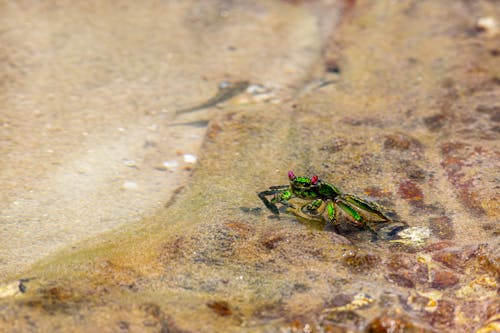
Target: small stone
189,158
488,25
170,165
130,185
129,163
358,261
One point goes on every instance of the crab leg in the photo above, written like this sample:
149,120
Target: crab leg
269,204
370,207
348,209
278,187
332,212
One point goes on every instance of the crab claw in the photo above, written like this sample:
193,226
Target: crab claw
314,179
291,175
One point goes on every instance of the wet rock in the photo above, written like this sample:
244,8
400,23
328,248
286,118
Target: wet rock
490,262
443,280
403,280
393,324
398,262
443,316
422,273
358,261
437,246
442,227
410,191
457,260
220,307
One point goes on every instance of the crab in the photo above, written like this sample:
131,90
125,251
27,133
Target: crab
313,199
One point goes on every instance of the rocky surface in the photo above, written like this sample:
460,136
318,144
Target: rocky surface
396,101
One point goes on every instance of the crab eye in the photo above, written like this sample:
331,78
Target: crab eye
291,175
314,180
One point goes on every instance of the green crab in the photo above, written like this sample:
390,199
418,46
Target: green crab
315,200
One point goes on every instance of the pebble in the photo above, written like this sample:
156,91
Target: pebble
189,158
170,165
489,25
129,163
130,185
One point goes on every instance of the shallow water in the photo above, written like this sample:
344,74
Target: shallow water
400,121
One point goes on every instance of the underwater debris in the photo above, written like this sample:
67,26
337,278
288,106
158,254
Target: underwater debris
414,236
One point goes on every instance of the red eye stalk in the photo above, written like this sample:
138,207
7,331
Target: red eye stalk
291,175
314,180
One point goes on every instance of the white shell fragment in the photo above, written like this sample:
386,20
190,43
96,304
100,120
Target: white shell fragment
13,288
489,25
413,236
130,185
188,158
170,165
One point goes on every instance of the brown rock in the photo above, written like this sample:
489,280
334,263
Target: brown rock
393,324
358,261
443,280
403,280
456,259
409,190
443,316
